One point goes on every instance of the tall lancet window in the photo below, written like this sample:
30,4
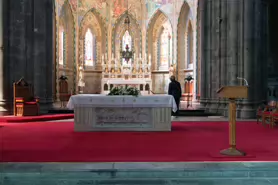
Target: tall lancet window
62,48
89,48
127,40
165,49
189,47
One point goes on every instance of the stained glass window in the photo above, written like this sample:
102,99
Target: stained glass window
61,48
164,47
89,49
189,46
127,40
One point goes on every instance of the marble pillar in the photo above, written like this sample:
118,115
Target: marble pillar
233,45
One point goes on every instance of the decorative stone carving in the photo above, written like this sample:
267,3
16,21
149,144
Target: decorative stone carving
123,115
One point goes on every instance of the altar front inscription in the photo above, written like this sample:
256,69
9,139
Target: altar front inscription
122,115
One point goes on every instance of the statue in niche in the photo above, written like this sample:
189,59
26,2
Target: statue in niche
119,70
113,72
105,70
134,70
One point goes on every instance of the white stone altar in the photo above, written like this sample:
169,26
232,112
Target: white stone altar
122,113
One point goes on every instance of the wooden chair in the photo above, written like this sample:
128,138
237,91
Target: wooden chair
274,117
25,104
269,116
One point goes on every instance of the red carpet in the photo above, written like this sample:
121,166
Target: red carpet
16,119
189,141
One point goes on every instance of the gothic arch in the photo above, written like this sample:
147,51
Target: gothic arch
67,23
120,28
185,43
154,30
93,21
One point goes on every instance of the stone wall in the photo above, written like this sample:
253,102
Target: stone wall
28,48
234,44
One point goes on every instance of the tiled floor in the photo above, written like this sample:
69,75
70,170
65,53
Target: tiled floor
139,173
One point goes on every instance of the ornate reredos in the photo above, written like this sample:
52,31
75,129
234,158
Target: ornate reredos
120,28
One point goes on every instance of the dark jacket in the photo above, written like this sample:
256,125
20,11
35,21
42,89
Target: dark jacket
174,89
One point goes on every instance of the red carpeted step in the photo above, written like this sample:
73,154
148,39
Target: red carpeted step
15,119
188,141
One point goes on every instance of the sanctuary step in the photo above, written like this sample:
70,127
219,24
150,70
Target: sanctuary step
197,113
60,111
211,173
190,112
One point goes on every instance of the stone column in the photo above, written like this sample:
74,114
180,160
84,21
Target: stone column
5,96
240,51
43,52
109,31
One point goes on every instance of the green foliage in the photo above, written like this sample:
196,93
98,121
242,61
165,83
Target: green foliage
63,77
131,91
189,78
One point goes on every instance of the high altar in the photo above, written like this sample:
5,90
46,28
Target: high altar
126,70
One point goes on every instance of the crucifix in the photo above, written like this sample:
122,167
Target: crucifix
127,55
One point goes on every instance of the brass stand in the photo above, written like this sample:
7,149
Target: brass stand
232,151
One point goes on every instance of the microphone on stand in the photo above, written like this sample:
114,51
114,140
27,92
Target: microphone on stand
246,83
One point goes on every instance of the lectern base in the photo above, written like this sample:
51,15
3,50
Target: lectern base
232,152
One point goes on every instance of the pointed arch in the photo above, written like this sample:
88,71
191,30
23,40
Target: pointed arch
160,48
185,46
92,21
119,30
157,24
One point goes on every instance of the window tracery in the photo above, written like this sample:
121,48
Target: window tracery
62,48
89,48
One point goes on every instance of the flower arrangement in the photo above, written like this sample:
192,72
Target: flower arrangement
189,78
131,91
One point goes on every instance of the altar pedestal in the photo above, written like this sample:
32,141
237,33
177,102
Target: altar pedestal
122,113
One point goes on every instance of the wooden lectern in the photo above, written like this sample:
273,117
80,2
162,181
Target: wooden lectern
233,93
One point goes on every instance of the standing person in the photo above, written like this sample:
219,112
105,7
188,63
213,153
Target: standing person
175,90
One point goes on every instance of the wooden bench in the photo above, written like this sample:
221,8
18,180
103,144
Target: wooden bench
25,103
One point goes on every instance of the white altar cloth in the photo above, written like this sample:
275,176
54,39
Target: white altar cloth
100,100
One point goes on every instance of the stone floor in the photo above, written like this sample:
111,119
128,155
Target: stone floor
237,173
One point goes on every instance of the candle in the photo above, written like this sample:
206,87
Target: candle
112,55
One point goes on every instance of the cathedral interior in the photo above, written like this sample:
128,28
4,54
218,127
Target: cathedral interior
96,44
